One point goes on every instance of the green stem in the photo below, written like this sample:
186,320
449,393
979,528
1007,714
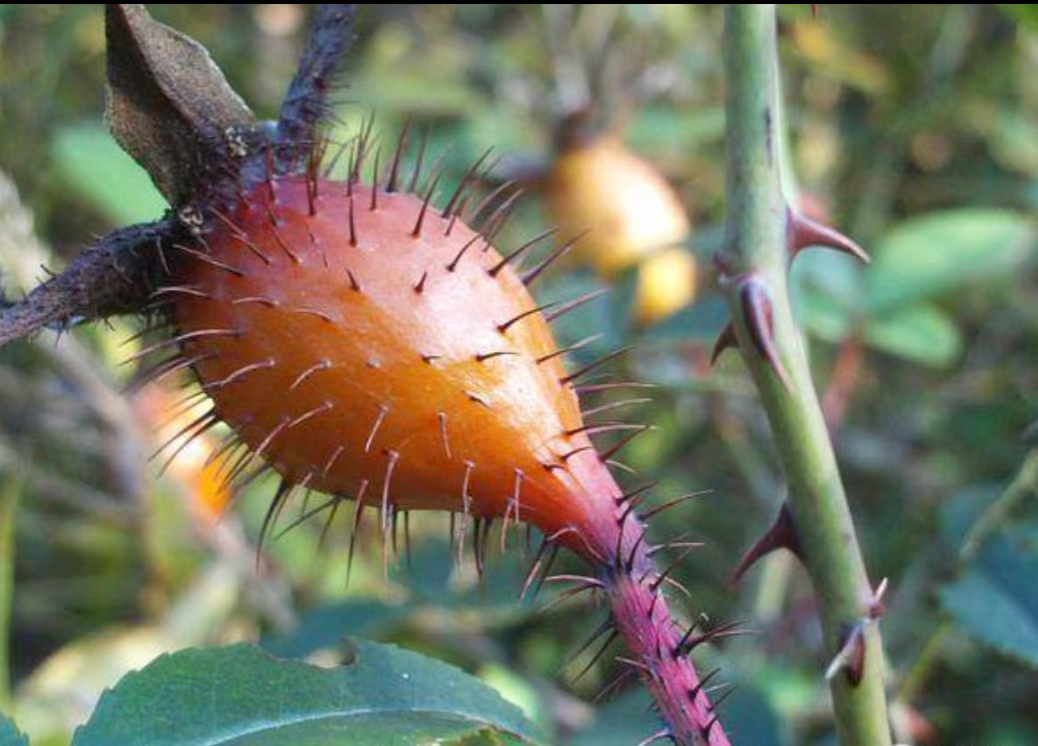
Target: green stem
9,498
756,247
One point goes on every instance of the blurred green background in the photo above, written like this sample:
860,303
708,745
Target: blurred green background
912,127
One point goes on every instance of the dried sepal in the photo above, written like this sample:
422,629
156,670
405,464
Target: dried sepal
169,106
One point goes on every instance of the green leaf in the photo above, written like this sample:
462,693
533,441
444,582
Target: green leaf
923,334
97,168
995,600
9,733
239,695
941,251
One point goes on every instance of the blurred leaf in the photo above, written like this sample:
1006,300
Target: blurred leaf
817,42
63,690
753,716
325,627
703,320
923,334
96,167
427,578
238,694
961,511
1025,14
659,129
1011,137
823,315
409,73
622,722
995,599
941,251
9,734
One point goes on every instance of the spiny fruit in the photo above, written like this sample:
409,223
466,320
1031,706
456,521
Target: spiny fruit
366,345
631,216
370,347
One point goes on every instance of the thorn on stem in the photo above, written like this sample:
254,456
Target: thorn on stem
850,658
782,534
802,232
757,313
725,340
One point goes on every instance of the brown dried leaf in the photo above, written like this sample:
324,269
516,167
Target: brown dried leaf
169,105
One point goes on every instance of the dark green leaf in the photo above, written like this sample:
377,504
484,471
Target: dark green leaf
9,733
995,599
239,695
941,251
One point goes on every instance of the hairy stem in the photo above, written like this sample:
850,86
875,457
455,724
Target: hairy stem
112,276
754,271
657,646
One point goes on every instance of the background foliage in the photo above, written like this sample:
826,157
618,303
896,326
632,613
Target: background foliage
910,126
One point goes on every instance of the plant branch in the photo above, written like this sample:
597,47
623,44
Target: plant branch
760,241
306,102
112,276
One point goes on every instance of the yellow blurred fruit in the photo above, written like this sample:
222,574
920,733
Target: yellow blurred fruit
630,215
666,284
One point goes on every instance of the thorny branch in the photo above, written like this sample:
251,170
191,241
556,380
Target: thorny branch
171,108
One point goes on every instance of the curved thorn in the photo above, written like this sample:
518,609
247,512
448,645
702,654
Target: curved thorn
802,232
782,534
725,340
757,313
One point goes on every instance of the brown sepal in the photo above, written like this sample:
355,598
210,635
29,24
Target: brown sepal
169,106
